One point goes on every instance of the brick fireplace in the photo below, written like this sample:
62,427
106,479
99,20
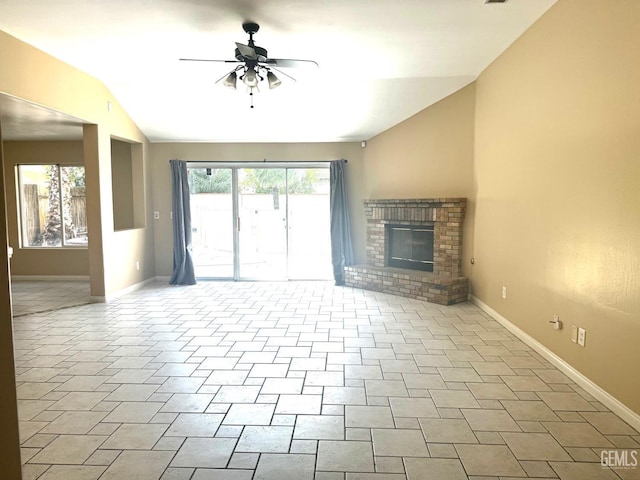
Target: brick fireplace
445,285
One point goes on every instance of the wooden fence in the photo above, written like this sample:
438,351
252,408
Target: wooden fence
35,208
79,210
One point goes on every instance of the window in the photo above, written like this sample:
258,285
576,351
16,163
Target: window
53,204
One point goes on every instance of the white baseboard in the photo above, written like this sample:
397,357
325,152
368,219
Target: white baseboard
129,289
615,405
49,278
126,290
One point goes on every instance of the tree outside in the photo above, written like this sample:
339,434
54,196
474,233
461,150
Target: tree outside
217,181
265,180
55,198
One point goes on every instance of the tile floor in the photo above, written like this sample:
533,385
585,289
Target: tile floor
40,296
299,380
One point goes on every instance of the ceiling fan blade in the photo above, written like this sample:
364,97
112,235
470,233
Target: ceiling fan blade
207,60
290,63
246,51
282,73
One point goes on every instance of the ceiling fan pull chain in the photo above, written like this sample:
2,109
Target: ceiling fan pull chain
251,96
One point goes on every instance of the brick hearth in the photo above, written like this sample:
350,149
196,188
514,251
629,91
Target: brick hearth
445,285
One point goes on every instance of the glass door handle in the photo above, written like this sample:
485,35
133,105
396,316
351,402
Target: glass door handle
238,223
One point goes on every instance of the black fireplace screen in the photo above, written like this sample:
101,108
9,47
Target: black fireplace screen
410,247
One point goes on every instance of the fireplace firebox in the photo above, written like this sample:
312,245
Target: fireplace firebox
410,246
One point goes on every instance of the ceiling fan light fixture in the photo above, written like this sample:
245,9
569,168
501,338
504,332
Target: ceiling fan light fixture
274,81
253,64
250,78
231,80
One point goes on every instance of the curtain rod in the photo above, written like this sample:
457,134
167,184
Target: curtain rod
235,162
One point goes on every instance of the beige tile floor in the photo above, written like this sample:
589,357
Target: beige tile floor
42,296
298,380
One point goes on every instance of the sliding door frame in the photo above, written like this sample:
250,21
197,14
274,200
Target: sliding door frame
235,166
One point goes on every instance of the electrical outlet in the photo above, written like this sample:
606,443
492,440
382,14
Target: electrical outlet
574,334
504,292
582,336
156,215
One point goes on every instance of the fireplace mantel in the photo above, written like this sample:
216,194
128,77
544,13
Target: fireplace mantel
446,284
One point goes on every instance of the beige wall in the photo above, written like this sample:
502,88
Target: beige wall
161,153
429,155
30,74
70,91
121,249
558,175
136,244
40,261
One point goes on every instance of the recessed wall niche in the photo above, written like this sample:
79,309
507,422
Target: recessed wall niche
127,183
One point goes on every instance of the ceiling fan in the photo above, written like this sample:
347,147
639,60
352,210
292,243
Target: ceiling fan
253,64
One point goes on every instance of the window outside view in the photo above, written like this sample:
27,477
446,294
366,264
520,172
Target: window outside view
53,206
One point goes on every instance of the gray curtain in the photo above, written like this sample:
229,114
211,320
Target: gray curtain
183,272
341,249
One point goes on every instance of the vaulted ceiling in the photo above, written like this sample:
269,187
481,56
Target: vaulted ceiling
380,61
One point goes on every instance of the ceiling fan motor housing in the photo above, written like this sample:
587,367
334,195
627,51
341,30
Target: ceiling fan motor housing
260,52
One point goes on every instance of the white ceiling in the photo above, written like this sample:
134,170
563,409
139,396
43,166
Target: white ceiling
381,61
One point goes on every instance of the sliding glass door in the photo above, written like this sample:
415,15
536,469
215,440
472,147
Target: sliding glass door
212,221
309,240
262,210
258,222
